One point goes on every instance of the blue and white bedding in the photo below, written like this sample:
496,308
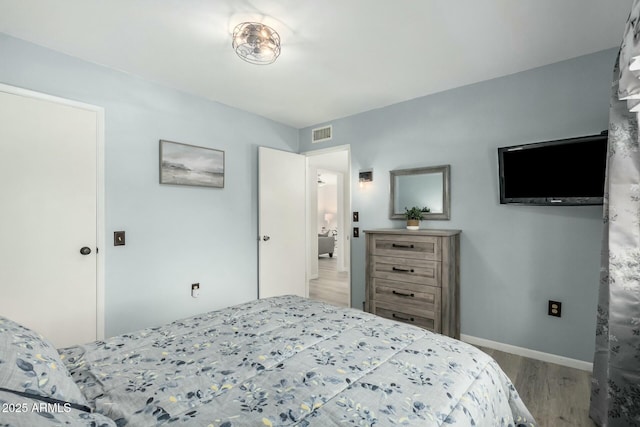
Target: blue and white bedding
292,361
35,386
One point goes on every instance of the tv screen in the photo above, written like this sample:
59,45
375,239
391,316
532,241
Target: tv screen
563,172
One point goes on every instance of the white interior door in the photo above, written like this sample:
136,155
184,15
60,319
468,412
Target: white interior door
281,228
48,186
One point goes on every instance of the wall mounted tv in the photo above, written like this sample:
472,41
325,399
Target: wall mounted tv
562,172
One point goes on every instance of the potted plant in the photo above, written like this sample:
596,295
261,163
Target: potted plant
414,215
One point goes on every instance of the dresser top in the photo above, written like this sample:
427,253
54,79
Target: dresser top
421,232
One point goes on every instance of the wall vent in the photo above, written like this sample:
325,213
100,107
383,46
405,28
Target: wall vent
321,134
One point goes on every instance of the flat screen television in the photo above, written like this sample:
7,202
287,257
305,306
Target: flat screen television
561,172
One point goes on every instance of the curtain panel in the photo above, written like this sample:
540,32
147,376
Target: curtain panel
615,389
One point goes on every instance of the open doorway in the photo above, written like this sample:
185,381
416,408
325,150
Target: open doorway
328,225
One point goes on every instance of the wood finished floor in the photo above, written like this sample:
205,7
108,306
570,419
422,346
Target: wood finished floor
331,286
557,396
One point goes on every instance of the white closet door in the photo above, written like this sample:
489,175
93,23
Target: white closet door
48,188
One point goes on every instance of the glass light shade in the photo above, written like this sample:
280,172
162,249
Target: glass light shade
256,43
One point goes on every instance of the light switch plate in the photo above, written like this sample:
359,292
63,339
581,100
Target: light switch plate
118,238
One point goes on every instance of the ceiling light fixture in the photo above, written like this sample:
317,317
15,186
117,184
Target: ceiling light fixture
256,43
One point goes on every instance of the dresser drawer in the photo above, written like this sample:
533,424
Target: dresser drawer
407,294
407,246
406,270
424,319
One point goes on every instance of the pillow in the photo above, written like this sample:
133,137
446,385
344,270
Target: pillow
31,364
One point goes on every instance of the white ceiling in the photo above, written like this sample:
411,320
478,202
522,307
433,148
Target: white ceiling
339,57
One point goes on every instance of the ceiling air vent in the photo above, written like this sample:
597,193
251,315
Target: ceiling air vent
321,134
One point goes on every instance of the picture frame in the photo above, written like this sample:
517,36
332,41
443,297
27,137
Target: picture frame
184,164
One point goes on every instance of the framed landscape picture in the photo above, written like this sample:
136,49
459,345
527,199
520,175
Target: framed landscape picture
184,164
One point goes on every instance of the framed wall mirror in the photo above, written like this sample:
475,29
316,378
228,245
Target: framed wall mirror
421,187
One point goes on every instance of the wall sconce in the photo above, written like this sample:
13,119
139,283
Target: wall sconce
365,176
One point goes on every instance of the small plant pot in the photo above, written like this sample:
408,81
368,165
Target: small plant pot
413,224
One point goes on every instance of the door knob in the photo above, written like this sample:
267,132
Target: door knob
85,250
265,238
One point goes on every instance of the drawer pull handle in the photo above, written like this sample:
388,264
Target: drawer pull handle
395,316
403,294
403,270
395,245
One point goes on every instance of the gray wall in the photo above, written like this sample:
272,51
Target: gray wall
176,235
513,258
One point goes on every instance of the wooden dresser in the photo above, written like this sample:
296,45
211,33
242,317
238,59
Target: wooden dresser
414,277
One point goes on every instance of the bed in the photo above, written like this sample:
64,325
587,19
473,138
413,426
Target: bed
282,361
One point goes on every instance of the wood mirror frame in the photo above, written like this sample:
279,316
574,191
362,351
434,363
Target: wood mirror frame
433,174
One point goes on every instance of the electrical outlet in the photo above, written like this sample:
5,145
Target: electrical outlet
195,290
555,308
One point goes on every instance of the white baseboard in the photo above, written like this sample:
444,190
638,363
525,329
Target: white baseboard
533,354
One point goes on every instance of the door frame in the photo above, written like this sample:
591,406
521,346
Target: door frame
100,190
311,213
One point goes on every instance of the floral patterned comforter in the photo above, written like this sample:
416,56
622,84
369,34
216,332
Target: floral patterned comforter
295,362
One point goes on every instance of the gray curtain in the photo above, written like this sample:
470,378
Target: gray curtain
615,389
